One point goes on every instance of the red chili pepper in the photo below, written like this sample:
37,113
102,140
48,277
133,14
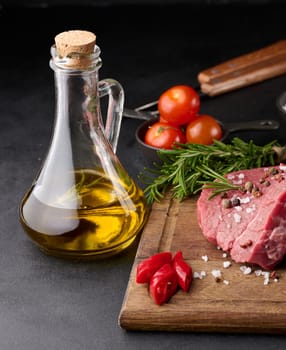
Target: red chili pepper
147,267
183,270
163,284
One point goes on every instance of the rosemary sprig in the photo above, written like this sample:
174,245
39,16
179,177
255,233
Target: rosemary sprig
185,170
219,185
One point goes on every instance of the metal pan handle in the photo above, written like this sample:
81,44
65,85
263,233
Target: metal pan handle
263,124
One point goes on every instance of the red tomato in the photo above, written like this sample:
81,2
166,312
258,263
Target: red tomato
203,130
183,270
147,267
162,135
179,104
163,284
162,120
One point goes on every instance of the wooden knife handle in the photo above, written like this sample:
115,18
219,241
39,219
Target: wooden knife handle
244,70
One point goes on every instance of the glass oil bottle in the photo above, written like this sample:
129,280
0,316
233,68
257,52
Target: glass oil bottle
83,204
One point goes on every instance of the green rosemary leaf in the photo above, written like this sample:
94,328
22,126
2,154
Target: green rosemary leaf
187,169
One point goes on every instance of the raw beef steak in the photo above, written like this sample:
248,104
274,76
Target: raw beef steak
249,223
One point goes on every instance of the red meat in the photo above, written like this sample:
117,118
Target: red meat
253,229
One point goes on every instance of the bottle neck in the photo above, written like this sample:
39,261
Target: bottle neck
76,86
76,62
77,96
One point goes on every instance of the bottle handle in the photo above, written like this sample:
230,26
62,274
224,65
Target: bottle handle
115,92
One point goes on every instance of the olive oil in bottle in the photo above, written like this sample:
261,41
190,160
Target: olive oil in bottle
94,215
83,203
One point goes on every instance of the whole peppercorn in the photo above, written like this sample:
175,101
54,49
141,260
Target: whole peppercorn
236,202
248,186
226,203
274,171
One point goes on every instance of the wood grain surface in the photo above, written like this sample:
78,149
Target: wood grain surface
244,70
245,305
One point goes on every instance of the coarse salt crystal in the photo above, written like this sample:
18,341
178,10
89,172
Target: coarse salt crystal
224,255
205,258
226,282
246,270
244,200
238,208
241,176
196,274
237,217
266,278
237,182
265,274
226,264
199,275
216,274
282,167
230,177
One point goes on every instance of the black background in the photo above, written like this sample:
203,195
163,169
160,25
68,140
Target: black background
47,303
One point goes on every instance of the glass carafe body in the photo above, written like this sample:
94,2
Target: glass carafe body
83,203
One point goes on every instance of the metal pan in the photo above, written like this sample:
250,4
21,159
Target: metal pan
151,152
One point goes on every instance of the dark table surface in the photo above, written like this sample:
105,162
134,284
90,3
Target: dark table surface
48,303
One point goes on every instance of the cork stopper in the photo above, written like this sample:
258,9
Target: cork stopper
75,41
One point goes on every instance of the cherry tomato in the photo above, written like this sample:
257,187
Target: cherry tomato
203,130
147,267
162,120
179,104
183,270
162,135
163,284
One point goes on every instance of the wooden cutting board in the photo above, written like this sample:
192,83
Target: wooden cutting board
245,305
